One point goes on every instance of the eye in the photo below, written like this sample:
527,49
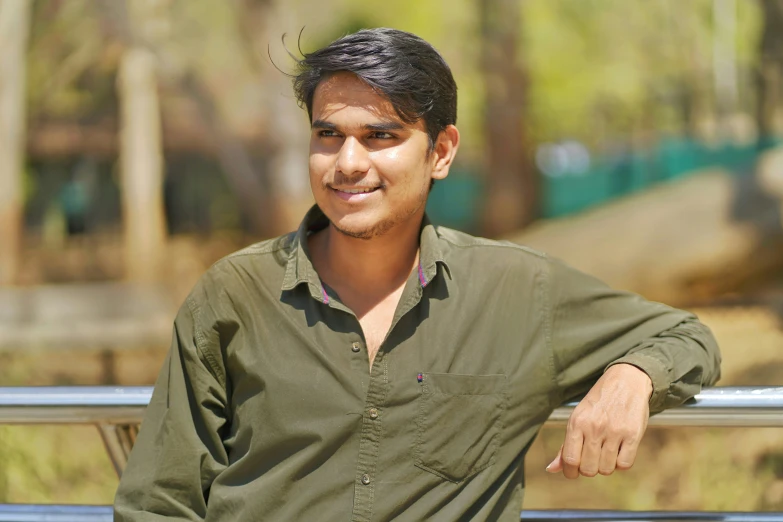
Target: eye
380,135
327,134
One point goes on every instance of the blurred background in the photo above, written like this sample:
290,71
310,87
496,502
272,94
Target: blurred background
142,140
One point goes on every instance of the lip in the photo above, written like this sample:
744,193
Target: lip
354,198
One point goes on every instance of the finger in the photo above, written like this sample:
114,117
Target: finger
556,466
627,454
608,461
572,453
591,453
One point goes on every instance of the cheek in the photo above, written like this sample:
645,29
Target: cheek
392,154
319,166
401,168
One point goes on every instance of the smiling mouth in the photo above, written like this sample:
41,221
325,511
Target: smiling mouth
356,190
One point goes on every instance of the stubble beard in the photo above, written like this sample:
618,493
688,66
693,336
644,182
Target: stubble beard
375,231
383,227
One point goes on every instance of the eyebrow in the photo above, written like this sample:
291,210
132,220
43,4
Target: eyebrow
375,127
383,127
321,124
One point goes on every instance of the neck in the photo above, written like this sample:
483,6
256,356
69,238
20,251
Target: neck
376,266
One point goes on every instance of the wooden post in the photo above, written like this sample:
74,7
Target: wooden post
512,182
14,32
141,164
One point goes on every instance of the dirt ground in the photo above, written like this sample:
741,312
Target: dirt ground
687,468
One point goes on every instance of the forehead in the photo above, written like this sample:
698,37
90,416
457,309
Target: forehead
344,90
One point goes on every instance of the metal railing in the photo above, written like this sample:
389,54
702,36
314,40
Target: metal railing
118,411
52,513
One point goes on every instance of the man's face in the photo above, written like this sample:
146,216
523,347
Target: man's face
369,171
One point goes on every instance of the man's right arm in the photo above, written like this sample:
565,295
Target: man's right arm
180,450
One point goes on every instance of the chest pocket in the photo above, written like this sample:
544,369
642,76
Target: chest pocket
459,423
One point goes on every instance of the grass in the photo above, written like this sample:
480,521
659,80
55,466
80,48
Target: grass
54,464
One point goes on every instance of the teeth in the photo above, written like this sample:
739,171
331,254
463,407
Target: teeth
356,191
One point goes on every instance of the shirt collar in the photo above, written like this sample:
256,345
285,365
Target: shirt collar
430,253
299,268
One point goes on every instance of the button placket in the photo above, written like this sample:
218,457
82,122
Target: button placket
369,443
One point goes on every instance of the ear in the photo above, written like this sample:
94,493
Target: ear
444,151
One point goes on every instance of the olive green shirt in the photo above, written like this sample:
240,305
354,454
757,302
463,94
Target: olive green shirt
266,408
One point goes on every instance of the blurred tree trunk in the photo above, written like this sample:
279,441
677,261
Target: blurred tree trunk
253,195
141,164
695,103
724,57
770,71
512,182
14,33
141,149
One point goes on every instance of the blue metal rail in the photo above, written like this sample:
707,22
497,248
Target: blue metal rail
59,513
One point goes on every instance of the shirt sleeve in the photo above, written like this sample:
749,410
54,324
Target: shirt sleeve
593,327
179,450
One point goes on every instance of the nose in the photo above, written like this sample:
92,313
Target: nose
353,159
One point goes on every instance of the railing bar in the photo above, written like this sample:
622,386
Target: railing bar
54,513
740,406
110,436
73,513
639,516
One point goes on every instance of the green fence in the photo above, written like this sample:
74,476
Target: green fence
456,202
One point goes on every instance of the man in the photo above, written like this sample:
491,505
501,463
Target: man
373,367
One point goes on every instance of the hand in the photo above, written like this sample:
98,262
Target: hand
606,427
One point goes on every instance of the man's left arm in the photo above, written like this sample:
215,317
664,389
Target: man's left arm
631,356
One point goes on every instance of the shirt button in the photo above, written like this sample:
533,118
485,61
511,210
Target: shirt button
365,479
356,347
373,413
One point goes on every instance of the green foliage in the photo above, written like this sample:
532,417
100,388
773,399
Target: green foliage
598,69
70,63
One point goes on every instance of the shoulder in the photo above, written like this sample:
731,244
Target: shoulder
272,248
461,244
263,256
256,267
496,264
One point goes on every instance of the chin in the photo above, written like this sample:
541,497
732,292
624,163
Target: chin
362,229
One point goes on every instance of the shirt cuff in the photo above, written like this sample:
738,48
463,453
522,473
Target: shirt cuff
654,369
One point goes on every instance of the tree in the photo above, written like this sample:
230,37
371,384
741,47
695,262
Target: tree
141,148
770,72
14,33
141,165
512,184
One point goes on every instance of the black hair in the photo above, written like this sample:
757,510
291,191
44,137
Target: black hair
404,68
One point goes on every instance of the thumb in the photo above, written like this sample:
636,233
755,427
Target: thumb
556,466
